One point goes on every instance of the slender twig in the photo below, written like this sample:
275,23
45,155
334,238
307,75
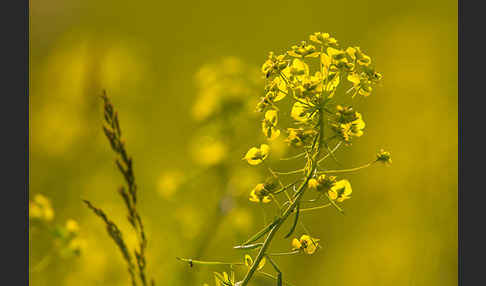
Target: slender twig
315,208
191,262
347,170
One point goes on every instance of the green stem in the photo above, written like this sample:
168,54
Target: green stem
283,253
268,275
300,192
330,153
293,157
274,230
290,172
201,262
315,208
346,170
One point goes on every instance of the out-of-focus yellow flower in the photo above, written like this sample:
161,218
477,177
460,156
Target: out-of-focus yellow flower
169,182
40,208
209,151
260,195
249,262
241,219
305,243
76,246
255,155
340,191
384,157
269,125
72,226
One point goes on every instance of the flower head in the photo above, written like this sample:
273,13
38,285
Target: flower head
348,124
40,208
323,38
260,194
357,55
255,155
72,226
322,183
302,112
298,136
273,65
384,157
306,243
340,191
303,50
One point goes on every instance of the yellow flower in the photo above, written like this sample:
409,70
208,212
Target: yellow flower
255,155
249,262
273,65
384,157
298,137
348,130
357,55
313,184
76,246
336,54
169,183
361,83
269,125
322,183
260,194
305,243
208,151
296,71
323,38
340,191
346,114
278,87
303,50
302,112
339,59
40,208
72,226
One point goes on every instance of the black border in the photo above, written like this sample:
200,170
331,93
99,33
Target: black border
14,118
471,203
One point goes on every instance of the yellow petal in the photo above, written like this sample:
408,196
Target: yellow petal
282,86
261,264
272,116
265,149
354,78
248,260
296,244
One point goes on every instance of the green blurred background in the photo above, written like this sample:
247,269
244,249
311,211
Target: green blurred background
400,226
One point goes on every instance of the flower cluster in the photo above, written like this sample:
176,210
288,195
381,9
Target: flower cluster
40,209
65,237
310,75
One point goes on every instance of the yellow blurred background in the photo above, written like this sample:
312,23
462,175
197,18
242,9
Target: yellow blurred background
400,227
